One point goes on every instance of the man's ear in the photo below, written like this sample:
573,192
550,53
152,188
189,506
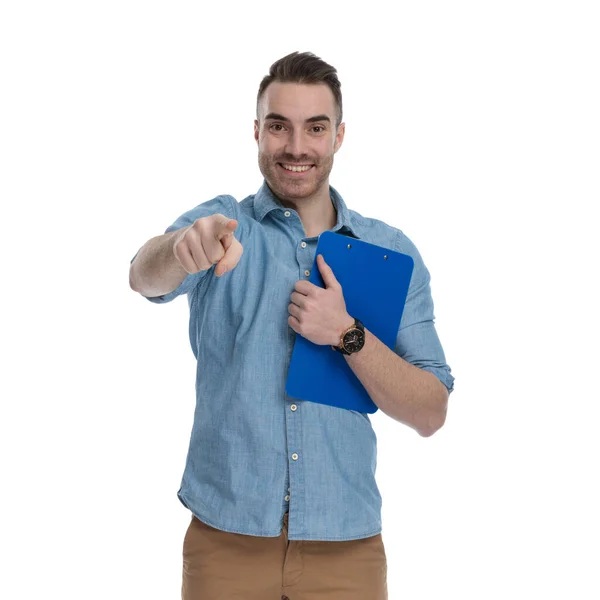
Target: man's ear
339,137
256,130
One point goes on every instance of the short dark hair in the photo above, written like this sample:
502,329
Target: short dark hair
303,67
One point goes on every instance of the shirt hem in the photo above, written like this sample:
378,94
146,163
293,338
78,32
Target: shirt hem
210,522
310,538
297,537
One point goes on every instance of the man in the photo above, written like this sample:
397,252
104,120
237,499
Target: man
282,492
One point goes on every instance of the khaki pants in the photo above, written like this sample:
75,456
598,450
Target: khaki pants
218,565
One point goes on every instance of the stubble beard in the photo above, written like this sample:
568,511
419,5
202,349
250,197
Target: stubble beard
288,189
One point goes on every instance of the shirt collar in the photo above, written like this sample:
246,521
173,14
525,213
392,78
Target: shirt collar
265,201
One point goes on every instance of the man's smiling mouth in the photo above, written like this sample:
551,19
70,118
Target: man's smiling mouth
296,168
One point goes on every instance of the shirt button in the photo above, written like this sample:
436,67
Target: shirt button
287,498
293,407
294,456
303,244
307,272
288,489
287,213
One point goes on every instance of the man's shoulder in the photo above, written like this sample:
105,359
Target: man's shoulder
379,232
226,204
219,203
247,204
372,229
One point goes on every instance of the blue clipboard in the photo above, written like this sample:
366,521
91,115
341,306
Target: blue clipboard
375,283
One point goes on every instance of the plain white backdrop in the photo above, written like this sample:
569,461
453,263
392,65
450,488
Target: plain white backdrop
472,126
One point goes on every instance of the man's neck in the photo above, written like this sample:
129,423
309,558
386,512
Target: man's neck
317,213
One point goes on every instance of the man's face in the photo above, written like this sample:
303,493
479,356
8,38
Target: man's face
296,129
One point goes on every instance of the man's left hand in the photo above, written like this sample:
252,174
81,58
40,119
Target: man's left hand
319,314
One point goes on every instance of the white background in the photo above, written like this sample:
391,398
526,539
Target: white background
472,126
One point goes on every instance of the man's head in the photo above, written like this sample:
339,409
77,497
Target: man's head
299,125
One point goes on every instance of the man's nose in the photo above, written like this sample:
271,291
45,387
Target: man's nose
296,145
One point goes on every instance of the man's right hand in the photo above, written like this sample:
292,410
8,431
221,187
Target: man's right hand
206,242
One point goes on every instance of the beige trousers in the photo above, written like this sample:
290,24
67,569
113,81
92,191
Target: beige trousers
218,565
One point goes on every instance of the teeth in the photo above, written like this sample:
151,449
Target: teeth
296,168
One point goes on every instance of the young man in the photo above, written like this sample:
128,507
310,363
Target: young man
282,492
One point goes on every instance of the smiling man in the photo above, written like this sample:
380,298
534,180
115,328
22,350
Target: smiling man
282,492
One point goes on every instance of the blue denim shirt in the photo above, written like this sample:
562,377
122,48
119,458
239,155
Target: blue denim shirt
256,453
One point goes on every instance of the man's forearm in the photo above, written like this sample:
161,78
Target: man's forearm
406,393
156,270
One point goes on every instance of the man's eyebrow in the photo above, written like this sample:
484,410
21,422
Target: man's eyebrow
278,117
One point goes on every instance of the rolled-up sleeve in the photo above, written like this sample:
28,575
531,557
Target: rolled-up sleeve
417,341
225,205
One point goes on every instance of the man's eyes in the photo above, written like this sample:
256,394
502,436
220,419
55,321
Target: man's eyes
280,127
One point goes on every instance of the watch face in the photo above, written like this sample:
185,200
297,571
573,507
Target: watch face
354,340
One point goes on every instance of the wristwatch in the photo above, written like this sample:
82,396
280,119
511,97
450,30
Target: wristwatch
352,340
